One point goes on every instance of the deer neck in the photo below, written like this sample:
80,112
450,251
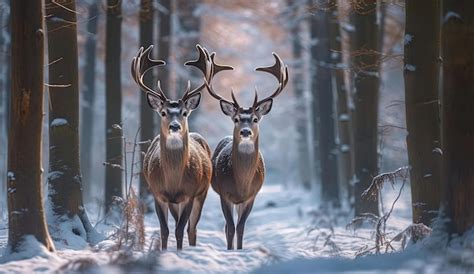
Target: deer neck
173,158
244,164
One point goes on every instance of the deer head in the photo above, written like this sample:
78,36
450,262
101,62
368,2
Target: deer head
174,113
246,119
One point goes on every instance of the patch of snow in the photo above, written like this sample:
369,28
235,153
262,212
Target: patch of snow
11,176
451,15
410,67
344,117
58,122
53,175
408,39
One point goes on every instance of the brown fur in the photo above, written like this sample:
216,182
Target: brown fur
176,177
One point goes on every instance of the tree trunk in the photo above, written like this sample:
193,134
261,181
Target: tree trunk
298,80
344,124
146,113
64,178
113,92
364,46
88,94
421,71
25,199
187,30
321,58
164,42
457,119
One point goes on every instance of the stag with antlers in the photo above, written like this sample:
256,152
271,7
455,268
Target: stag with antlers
238,166
177,165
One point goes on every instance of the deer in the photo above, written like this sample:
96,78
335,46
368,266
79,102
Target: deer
238,165
177,165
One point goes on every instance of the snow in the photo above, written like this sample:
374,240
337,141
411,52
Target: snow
451,15
408,39
410,67
288,231
58,122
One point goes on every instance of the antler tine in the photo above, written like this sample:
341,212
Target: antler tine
140,65
280,71
234,99
255,99
203,63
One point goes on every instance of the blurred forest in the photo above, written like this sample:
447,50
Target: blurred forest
372,99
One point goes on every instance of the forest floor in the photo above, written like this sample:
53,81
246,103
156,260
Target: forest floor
287,232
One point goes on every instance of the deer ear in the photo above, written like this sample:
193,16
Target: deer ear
264,107
227,108
193,102
154,102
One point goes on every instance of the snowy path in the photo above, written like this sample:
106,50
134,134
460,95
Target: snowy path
283,225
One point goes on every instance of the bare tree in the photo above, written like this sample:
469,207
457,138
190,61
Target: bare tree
147,127
422,71
187,36
457,119
113,93
364,52
164,39
344,123
298,82
322,88
64,178
25,199
88,94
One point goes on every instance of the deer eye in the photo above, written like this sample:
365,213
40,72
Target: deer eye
255,120
163,113
185,114
236,120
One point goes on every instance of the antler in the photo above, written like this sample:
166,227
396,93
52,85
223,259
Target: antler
215,68
280,71
143,63
207,66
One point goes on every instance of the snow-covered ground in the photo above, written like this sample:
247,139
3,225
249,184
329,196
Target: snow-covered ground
287,232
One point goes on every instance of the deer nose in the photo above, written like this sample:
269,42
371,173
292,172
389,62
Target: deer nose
175,126
245,132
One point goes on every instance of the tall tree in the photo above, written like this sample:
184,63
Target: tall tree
457,119
88,94
344,124
298,81
25,201
146,113
188,35
4,92
364,47
64,178
322,87
113,93
421,71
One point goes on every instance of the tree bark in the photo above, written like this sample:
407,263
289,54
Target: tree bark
344,119
364,46
88,94
457,119
421,71
188,30
321,59
25,199
298,80
64,178
113,116
147,130
164,42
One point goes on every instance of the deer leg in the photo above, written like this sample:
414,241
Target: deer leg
174,209
183,219
227,209
194,218
244,213
162,212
